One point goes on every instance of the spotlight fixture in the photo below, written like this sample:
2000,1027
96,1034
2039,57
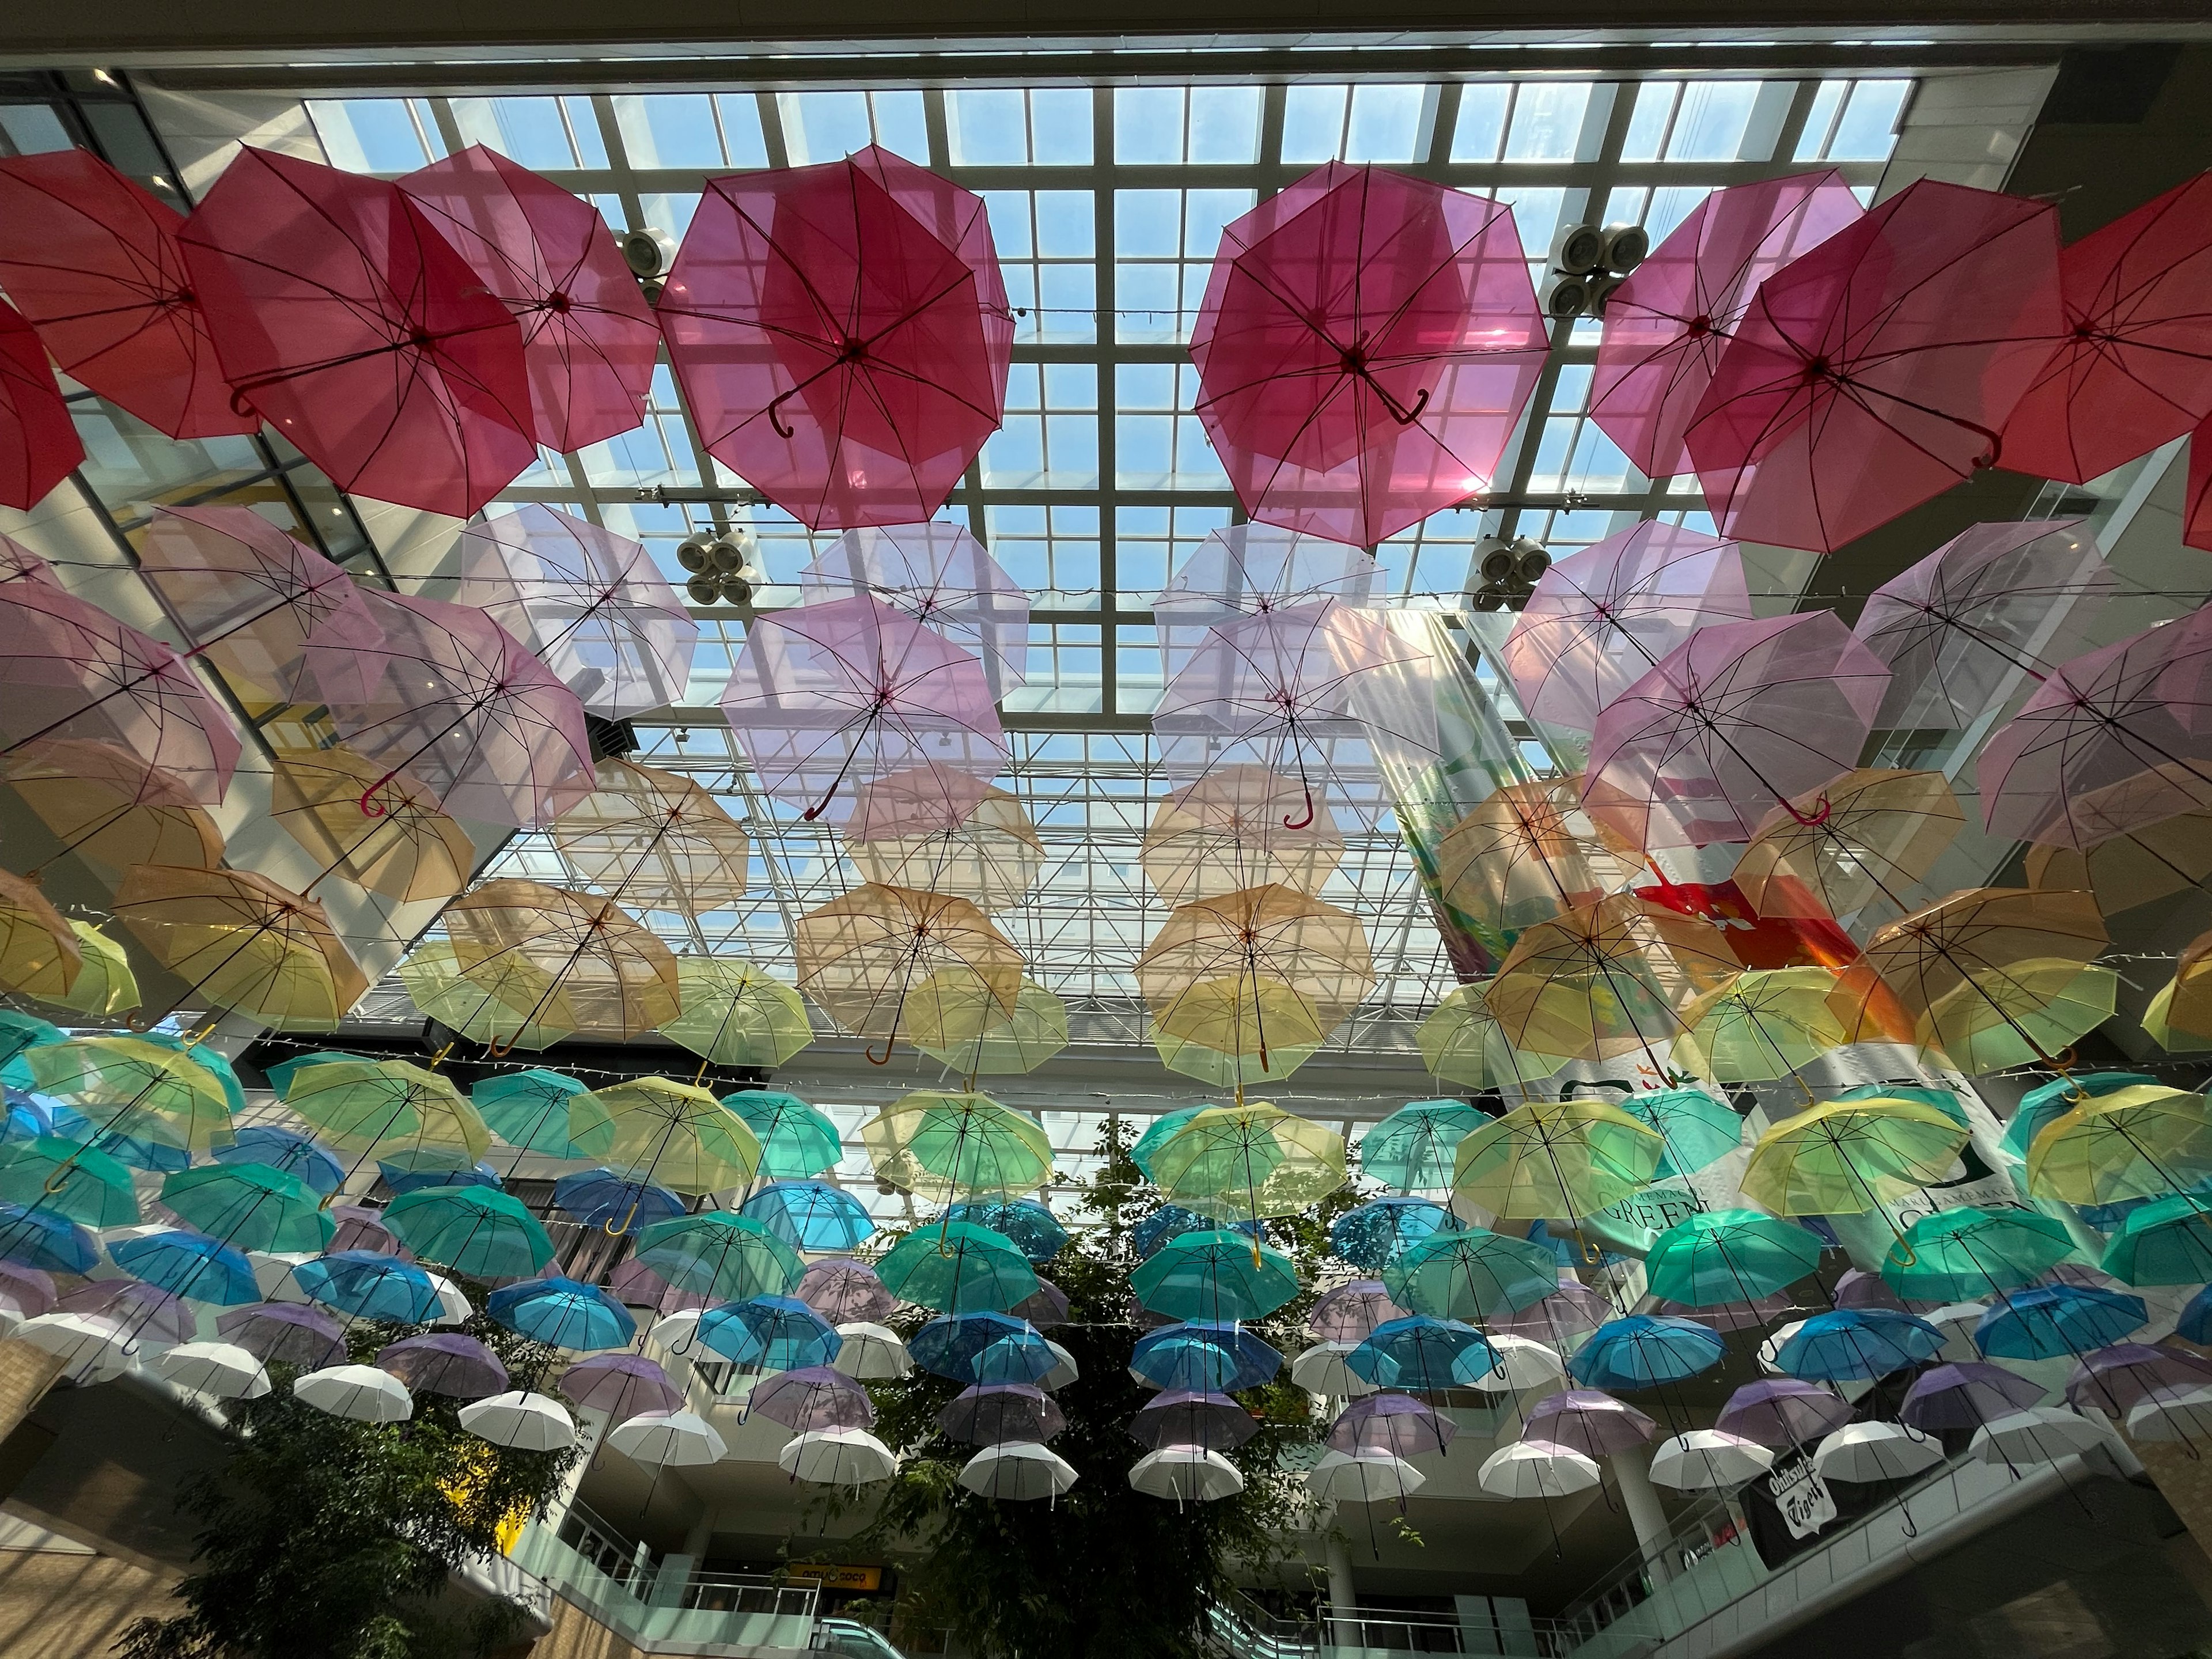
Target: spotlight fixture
1505,573
1588,263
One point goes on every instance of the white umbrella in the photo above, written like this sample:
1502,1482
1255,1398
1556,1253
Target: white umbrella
837,1457
10,1316
1522,1363
221,1369
1190,1474
870,1352
1957,1319
1020,1470
453,1307
1321,1369
1773,1344
360,1392
676,1333
273,1276
1875,1451
1707,1459
1064,1370
2038,1434
668,1439
522,1422
1536,1468
1365,1476
92,1349
2162,1415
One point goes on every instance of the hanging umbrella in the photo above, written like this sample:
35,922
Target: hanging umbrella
39,445
105,988
1221,1358
1461,1042
1325,1369
1847,396
976,1349
39,955
482,1234
341,314
1883,831
1003,1045
1247,569
412,1169
1607,979
1365,1476
221,1370
444,1363
1766,1026
1738,719
1349,1312
509,1005
2184,1415
863,954
600,1198
957,1266
775,1333
734,1014
1522,1363
520,1421
811,1398
715,1253
1188,1474
661,1439
364,1285
2051,1320
625,1385
941,1145
2035,1010
1729,1255
188,1265
40,1240
2041,1434
2140,1142
1707,1459
92,1350
1954,1255
1253,1160
1470,1274
1422,1353
240,941
64,1179
1531,1468
1569,1157
361,1393
290,1334
1205,973
654,840
130,1086
900,835
2166,1242
562,1313
1411,1150
1697,1129
1189,1417
656,1127
2146,863
1228,831
837,1457
2046,1102
941,576
19,564
1856,1344
529,1110
1378,1232
2114,1380
810,1215
1875,1451
1029,1226
1639,1351
1216,1276
1526,853
844,1292
409,852
997,1412
1282,1009
1587,1420
1364,346
1849,1156
1172,1221
368,1105
110,807
249,1205
1781,1410
26,1290
1965,1396
588,337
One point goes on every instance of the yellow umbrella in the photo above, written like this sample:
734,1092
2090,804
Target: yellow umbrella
410,851
991,858
2179,1018
39,955
1563,1157
2035,1009
1461,1042
606,974
671,1133
1226,833
1607,979
1036,1031
111,807
1527,853
106,987
243,942
1849,1156
1225,1071
654,840
130,1087
862,955
736,1015
1253,1159
1233,957
2143,1142
1872,833
509,1005
368,1105
1766,1026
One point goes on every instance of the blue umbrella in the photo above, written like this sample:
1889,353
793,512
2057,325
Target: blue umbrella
2195,1323
28,1116
17,1033
564,1314
1035,1231
810,1215
1377,1234
775,1333
1419,1353
602,1197
190,1265
417,1167
288,1151
367,1286
39,1238
953,1345
1856,1344
2040,1105
1208,1359
1642,1349
2049,1321
1173,1221
149,1155
1160,1131
281,1074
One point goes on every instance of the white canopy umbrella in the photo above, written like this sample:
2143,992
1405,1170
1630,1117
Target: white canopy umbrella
453,1307
1875,1451
1064,1370
1707,1459
1957,1319
1522,1363
2037,1434
676,1334
273,1275
220,1368
668,1440
1020,1470
837,1457
1321,1369
1364,1476
870,1352
362,1393
11,1316
522,1422
1190,1474
1536,1468
91,1348
2162,1415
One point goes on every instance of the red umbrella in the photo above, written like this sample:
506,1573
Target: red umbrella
1366,346
588,337
341,314
93,261
39,445
2196,515
841,334
1877,371
2133,365
1665,328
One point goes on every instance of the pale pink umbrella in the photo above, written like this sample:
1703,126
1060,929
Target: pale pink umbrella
1740,718
1666,326
69,670
1998,600
2110,742
1319,693
454,699
941,576
1249,568
590,603
829,696
589,341
19,564
1603,618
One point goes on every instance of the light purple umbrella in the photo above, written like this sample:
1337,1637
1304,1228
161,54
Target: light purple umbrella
844,1291
2117,1379
637,1285
1602,618
1351,1312
621,1385
444,1363
1965,1396
362,1229
1002,1413
1395,1423
1558,1320
1249,568
28,1288
1781,1410
941,576
1857,1288
1192,1416
1044,1308
813,1398
1587,1420
285,1332
147,1313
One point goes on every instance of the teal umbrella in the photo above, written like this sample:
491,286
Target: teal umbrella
213,1060
1698,1130
1218,1278
1411,1150
1942,1099
62,1178
957,1267
281,1074
1965,1255
17,1033
1471,1276
2046,1102
477,1231
2167,1240
796,1141
528,1110
720,1255
251,1206
1160,1131
1729,1255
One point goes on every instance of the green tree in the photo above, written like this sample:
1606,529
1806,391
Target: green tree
327,1539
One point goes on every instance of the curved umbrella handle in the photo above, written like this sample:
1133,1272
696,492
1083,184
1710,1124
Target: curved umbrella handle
370,808
1819,816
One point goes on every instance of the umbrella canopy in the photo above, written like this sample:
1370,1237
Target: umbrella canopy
1954,1256
133,1087
520,1421
775,1333
1188,1474
515,1005
600,1198
1462,1041
1325,1369
812,1398
1783,1411
796,1141
1698,1130
240,941
1031,1227
1004,1044
1607,979
980,1348
2145,1141
222,1370
1965,1396
959,1268
40,1240
1847,1157
2180,1017
364,1285
1422,1353
1220,1358
1215,1277
837,1457
1526,853
663,1130
623,1385
864,955
2183,1414
529,1110
1470,1274
1413,1148
810,1215
1767,1024
411,851
1640,1351
734,1014
1855,1344
361,1393
249,1205
1587,1420
844,1292
718,1255
444,1363
289,1332
1880,837
1192,1416
1370,1475
471,1230
1349,1312
571,960
1205,973
1228,831
1707,1459
2114,1380
1531,1468
1364,346
1956,966
1729,1255
1875,1451
2052,1320
2041,1434
109,807
941,576
1254,1160
655,839
2166,1242
661,1439
373,1105
1569,1157
1378,1232
904,832
190,1265
39,445
563,1313
997,1412
945,1146
67,1179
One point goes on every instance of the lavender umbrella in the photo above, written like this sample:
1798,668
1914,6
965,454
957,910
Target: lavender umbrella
2117,1379
285,1332
1857,1288
1395,1423
1588,1421
1249,568
147,1312
993,1413
1560,1320
940,575
622,1385
1965,1396
444,1363
813,1399
28,1288
1192,1416
1351,1312
1781,1410
844,1291
1044,1308
360,1228
638,1286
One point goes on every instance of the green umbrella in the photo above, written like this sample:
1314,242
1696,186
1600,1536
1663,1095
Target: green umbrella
477,1231
1160,1131
1255,1160
797,1142
86,1187
528,1110
2167,1242
1698,1130
958,1268
1217,1278
1411,1150
1729,1255
720,1255
948,1145
1967,1254
251,1206
1471,1276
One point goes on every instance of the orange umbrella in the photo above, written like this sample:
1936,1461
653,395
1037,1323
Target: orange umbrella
1221,971
1880,833
603,973
992,857
655,839
1607,979
1527,853
863,954
39,955
410,851
2179,1018
242,942
2168,857
111,807
1227,832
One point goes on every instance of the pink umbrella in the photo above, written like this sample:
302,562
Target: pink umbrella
620,1384
1877,371
1738,719
1366,343
590,603
637,1285
1249,568
831,695
841,334
454,699
1666,326
248,596
1603,618
341,314
1997,600
69,670
39,445
93,260
19,564
844,1291
1587,1420
589,340
2108,743
2130,367
939,575
1315,692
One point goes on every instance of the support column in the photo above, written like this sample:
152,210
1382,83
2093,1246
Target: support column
1343,1599
1633,1468
677,1570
